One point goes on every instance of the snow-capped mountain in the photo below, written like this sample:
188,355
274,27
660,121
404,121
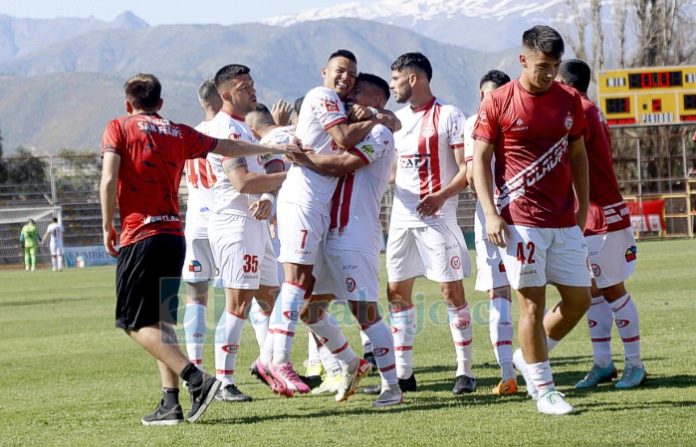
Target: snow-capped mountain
485,25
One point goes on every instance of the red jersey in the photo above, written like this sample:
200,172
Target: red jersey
530,132
611,213
153,151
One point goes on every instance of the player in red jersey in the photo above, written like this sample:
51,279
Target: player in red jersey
143,158
534,127
611,246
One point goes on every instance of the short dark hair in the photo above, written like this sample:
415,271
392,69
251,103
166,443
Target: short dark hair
264,115
414,60
576,74
55,220
229,72
495,76
207,91
544,39
298,104
343,53
143,91
376,81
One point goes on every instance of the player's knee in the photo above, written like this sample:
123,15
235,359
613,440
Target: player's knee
613,293
453,292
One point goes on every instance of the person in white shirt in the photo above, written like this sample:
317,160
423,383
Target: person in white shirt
55,233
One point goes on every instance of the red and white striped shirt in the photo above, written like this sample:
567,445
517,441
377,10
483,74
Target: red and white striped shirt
199,179
425,160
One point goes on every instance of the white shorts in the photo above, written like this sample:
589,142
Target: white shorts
269,265
56,249
534,257
612,257
490,269
238,245
437,252
349,275
301,232
199,264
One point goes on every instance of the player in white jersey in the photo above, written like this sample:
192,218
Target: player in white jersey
199,267
424,238
490,270
238,230
351,254
55,232
304,202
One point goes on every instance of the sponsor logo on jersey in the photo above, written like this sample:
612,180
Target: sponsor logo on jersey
350,284
195,266
519,126
368,149
456,263
415,161
622,323
596,271
230,349
591,323
331,106
263,158
380,352
483,117
569,122
631,254
291,315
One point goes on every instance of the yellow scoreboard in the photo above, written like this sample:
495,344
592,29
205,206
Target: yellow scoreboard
648,96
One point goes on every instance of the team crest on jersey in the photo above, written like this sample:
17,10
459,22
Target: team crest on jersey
428,131
456,263
631,254
350,284
230,349
195,266
569,122
596,271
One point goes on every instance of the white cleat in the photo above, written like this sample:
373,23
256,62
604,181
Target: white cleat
351,373
330,385
391,395
553,402
521,365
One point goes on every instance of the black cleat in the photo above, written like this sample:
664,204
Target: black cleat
464,384
373,389
164,416
408,384
311,381
230,393
201,396
370,357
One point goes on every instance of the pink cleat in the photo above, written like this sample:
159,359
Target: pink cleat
285,374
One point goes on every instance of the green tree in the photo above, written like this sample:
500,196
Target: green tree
26,168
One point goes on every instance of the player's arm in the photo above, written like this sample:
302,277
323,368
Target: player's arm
470,172
44,239
496,228
107,195
347,135
432,203
581,181
250,182
238,148
331,165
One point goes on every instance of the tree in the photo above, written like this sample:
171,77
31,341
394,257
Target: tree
25,168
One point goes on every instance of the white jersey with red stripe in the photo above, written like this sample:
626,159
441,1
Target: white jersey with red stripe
321,110
357,200
425,160
199,181
226,199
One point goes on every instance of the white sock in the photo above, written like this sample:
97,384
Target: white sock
194,332
312,349
500,328
462,332
599,319
60,262
228,334
627,321
330,362
330,333
382,344
366,344
541,376
550,344
403,325
266,355
54,262
259,321
285,321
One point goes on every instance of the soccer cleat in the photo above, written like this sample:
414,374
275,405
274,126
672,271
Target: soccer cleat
370,357
164,416
553,402
330,385
201,396
351,373
598,375
286,375
632,377
314,369
258,370
506,387
521,365
408,384
230,393
391,395
311,381
372,389
464,384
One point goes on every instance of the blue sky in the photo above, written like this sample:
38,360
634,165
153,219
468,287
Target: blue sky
157,12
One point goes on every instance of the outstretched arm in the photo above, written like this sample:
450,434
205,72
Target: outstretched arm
330,165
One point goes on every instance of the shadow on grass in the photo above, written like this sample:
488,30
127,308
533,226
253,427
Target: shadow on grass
42,302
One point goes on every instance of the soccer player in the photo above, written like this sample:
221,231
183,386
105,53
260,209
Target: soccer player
304,204
490,270
351,253
238,230
534,128
29,239
611,246
199,266
424,238
55,232
143,158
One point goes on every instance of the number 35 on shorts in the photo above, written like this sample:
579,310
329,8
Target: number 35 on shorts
251,264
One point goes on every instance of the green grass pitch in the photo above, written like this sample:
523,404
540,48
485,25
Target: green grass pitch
68,377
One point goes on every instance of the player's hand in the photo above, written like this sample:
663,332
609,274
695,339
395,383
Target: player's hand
497,231
298,158
261,209
359,113
110,240
430,205
282,111
389,119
